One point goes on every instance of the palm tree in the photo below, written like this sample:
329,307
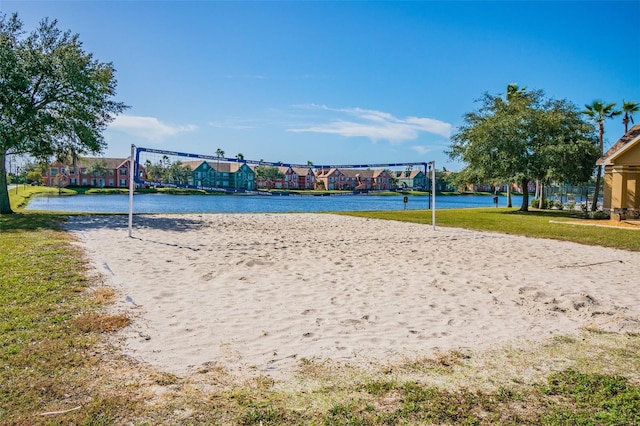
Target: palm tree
629,108
69,157
239,156
598,112
219,153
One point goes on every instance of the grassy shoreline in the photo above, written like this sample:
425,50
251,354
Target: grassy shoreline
59,356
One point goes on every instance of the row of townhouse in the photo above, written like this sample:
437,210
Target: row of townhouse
239,175
366,179
243,176
289,178
219,175
114,172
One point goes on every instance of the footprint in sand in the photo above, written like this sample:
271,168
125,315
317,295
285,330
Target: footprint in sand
207,277
257,262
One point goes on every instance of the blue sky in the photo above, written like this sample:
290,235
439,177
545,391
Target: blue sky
340,82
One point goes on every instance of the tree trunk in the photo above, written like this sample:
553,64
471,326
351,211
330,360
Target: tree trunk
509,195
5,205
525,195
596,192
542,204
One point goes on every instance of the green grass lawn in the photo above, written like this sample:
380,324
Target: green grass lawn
536,223
57,356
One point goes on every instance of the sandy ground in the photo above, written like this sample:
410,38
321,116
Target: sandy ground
256,293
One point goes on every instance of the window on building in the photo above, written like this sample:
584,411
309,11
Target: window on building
110,182
123,182
54,171
123,172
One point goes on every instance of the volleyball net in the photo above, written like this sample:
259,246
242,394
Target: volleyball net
172,169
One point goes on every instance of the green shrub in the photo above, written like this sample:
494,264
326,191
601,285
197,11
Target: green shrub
599,215
535,203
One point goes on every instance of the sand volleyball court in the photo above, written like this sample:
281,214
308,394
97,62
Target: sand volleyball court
257,293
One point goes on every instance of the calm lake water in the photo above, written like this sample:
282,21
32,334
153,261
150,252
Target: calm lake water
163,203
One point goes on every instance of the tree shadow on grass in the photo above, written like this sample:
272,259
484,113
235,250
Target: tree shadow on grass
165,222
38,221
30,222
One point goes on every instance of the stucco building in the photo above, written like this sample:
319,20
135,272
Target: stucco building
622,176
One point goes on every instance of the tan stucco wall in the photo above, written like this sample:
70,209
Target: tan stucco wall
622,180
622,187
631,157
608,183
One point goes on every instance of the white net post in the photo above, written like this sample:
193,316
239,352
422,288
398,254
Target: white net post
131,186
433,192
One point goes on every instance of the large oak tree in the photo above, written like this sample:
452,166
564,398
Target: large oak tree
54,97
525,137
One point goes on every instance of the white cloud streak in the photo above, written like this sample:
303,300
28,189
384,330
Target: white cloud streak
375,125
421,149
149,128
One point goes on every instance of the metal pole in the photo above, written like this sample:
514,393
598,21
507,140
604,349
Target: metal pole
433,189
131,187
428,189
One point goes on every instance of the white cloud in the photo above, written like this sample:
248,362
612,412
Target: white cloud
421,149
375,125
149,128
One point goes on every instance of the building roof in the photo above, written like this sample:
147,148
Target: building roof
226,167
624,143
302,171
364,173
110,163
327,172
412,174
193,164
